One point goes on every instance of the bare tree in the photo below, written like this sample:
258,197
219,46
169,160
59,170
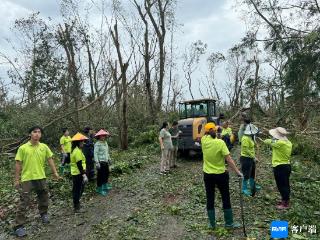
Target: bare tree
66,39
191,59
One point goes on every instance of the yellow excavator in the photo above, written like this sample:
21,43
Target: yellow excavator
194,114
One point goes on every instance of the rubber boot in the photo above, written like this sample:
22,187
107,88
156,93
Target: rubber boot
109,186
101,191
228,218
61,169
245,189
212,218
251,181
106,187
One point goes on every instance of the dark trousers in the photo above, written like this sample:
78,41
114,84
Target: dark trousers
90,168
40,187
77,189
103,174
227,140
64,159
222,182
248,167
282,174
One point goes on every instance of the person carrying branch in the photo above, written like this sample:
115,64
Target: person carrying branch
102,160
215,153
65,145
247,159
281,153
78,170
30,176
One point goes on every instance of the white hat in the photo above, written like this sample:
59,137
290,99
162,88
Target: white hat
279,133
251,129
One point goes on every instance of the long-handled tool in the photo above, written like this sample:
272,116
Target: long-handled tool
241,208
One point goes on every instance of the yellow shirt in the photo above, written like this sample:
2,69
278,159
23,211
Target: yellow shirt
281,151
214,153
226,131
33,158
76,156
66,142
247,147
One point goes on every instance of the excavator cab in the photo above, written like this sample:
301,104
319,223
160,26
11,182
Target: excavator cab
194,114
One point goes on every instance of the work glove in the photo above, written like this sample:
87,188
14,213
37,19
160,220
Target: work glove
97,165
84,179
240,175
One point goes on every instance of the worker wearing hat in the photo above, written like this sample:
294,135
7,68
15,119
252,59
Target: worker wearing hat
281,153
78,169
247,159
245,121
215,152
88,151
102,161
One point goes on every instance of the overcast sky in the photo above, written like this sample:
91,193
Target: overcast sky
215,22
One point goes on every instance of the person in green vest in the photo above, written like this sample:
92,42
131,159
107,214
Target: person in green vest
175,132
215,153
245,121
247,159
65,146
226,134
102,160
281,153
30,176
78,170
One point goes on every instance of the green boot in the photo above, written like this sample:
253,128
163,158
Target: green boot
101,191
228,218
61,169
245,189
251,181
106,187
212,219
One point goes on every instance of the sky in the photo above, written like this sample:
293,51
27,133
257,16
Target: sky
214,22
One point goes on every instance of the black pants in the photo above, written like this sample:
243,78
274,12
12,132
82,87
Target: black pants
227,140
77,189
222,182
282,174
65,160
248,167
103,174
90,168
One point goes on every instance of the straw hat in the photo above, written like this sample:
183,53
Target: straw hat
279,133
79,137
102,133
251,129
